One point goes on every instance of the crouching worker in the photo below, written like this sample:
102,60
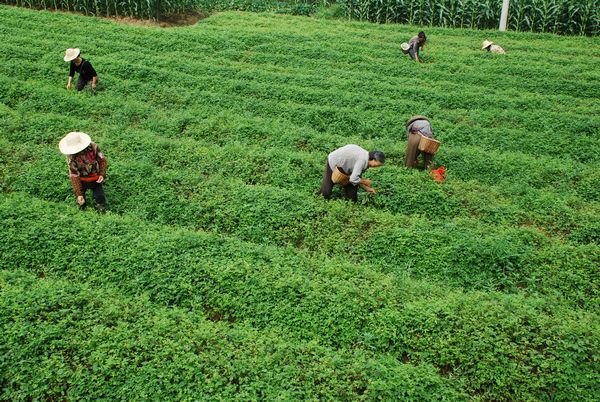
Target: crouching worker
87,167
418,127
490,47
416,45
349,162
83,67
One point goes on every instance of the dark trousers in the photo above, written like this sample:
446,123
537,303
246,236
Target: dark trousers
411,52
81,83
350,190
98,192
412,152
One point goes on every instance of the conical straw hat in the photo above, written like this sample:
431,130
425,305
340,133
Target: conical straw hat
71,54
486,43
74,142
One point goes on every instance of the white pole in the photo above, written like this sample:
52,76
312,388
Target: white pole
504,15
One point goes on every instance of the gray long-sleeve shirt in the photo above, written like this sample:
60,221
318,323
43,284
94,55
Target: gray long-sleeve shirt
422,126
353,160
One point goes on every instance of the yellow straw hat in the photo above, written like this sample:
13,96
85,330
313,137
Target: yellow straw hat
486,43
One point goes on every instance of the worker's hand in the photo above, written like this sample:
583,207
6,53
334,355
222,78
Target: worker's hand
366,182
100,179
93,86
368,189
69,85
80,200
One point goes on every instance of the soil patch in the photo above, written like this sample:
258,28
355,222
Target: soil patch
167,21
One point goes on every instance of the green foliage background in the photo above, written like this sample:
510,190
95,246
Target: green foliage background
572,17
218,272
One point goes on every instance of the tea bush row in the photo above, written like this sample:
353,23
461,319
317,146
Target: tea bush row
498,346
205,198
470,162
73,341
183,170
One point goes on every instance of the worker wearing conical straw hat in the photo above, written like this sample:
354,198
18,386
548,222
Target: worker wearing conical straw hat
490,47
83,67
345,166
416,127
87,167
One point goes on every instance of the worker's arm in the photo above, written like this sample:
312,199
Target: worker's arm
74,178
357,170
93,74
71,75
77,187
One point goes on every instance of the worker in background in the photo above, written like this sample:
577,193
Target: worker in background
416,127
490,47
83,67
349,163
416,45
87,167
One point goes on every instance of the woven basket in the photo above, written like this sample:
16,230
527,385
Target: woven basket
428,145
405,47
339,177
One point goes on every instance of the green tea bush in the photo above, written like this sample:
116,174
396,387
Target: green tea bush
507,339
94,343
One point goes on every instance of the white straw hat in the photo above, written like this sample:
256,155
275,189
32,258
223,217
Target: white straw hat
486,43
71,54
74,142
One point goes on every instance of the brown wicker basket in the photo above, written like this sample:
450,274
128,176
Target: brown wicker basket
339,177
428,145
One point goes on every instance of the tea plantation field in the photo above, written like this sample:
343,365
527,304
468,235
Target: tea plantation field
220,274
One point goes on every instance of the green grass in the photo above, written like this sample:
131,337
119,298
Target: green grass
218,273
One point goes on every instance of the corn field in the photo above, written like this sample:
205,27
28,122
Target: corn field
571,17
151,9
